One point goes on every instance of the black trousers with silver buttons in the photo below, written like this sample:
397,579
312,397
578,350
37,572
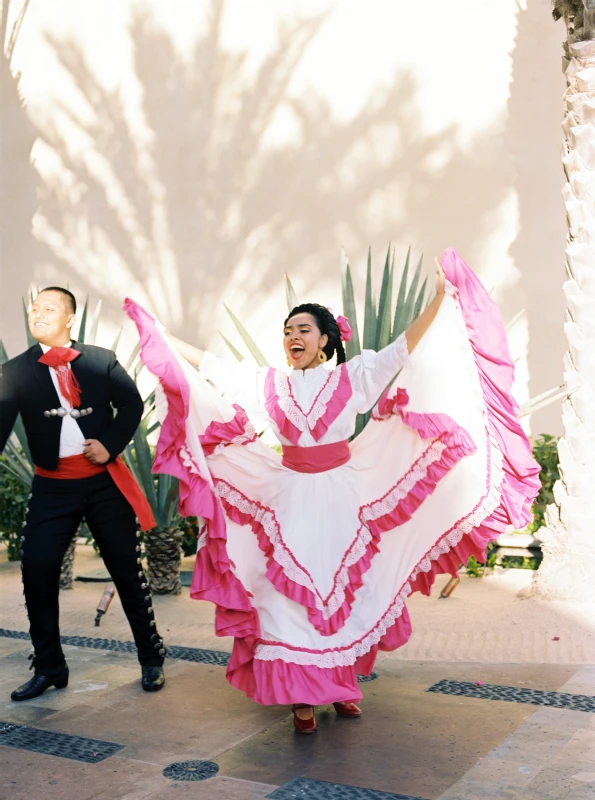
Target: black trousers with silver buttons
56,509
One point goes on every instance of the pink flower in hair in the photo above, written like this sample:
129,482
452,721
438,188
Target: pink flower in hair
344,328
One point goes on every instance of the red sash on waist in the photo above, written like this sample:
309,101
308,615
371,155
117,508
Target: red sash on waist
318,458
76,467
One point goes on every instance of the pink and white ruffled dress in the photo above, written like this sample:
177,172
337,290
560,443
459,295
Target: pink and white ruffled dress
309,556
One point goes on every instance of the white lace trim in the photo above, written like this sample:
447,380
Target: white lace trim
292,411
349,655
202,538
373,511
319,408
266,518
161,404
402,351
387,504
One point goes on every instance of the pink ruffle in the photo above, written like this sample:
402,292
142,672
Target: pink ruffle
280,682
496,374
238,430
212,579
438,427
520,484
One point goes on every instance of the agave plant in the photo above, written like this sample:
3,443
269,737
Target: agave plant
162,543
383,323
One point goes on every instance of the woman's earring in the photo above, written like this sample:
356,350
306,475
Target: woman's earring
288,361
321,356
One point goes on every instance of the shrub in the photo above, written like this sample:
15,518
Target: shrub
13,505
545,452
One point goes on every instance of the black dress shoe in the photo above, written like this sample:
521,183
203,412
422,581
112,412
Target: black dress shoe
38,684
153,678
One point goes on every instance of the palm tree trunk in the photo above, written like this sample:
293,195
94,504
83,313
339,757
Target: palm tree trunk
568,567
66,571
163,548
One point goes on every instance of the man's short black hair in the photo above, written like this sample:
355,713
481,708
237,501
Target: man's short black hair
66,292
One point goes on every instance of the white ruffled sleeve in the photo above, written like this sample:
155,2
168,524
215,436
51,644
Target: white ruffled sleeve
371,372
239,382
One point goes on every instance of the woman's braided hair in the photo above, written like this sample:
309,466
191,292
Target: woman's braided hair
326,323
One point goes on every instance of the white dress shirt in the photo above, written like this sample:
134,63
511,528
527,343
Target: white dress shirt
71,436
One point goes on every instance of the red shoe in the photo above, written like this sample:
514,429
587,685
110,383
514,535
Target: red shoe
349,710
303,725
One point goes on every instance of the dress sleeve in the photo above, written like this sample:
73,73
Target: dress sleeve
371,372
239,382
226,376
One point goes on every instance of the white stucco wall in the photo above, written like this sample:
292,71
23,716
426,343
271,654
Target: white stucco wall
192,153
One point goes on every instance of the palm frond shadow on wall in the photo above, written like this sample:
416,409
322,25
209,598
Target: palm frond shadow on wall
180,205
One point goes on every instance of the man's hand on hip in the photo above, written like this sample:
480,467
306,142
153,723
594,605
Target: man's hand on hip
96,452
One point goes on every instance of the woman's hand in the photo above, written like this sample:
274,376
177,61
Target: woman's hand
440,279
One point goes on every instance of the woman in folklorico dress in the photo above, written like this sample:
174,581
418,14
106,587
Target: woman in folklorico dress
310,556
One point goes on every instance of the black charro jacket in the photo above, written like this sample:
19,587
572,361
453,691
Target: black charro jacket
26,387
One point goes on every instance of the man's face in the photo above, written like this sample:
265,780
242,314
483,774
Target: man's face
51,319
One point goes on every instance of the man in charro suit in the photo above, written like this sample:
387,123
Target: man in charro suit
66,393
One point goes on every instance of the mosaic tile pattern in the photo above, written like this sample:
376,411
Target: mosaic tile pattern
13,634
62,745
366,678
515,694
197,654
191,770
308,789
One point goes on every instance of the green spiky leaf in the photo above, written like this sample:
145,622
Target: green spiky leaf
352,348
114,346
92,335
290,295
132,357
398,315
248,340
514,320
83,325
543,400
384,305
31,340
234,350
419,303
144,460
369,309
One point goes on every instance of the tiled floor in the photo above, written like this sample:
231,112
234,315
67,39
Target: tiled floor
409,742
436,729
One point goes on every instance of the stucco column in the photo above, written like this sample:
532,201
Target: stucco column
568,567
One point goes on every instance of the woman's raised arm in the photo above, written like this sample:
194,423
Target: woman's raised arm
416,330
189,352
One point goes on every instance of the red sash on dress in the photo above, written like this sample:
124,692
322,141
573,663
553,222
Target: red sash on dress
76,467
318,458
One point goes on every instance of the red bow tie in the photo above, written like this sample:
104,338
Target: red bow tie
59,358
